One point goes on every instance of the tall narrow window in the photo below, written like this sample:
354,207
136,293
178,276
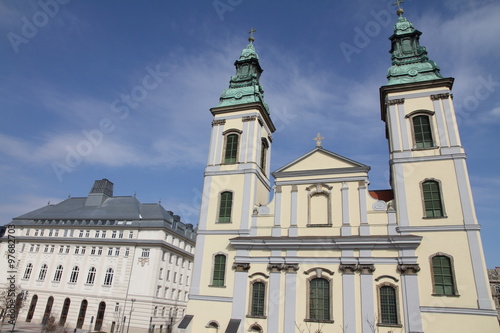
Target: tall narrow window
43,272
258,296
64,312
27,271
226,203
219,270
74,274
91,275
319,299
432,199
388,305
442,270
422,132
263,154
58,273
108,278
231,148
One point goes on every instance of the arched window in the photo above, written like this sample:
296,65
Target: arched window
108,278
226,203
388,305
422,132
219,270
443,277
43,272
255,328
74,274
64,312
81,313
91,275
231,148
58,273
27,271
100,316
31,309
319,299
432,199
258,297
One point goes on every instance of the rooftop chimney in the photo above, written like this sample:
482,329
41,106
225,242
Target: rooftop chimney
101,190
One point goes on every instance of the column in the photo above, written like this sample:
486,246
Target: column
364,228
290,297
240,292
274,303
346,226
276,232
348,297
293,230
411,298
367,303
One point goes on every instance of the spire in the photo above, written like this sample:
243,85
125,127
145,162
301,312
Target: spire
410,62
244,87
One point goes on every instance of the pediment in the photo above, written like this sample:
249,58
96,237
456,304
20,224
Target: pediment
320,161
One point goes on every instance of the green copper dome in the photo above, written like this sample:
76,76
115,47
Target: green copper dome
244,87
410,62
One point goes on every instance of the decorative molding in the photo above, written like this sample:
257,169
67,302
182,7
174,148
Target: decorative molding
290,268
365,268
249,118
386,277
463,311
241,267
143,261
274,267
315,269
441,96
258,274
348,268
396,101
408,269
218,122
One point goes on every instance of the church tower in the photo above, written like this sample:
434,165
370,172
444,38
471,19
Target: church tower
237,181
429,178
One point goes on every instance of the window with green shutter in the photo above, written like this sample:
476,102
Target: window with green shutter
319,299
444,283
432,199
231,148
219,270
258,296
422,132
388,306
226,203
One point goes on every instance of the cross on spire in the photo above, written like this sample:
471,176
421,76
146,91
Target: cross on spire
400,10
318,139
251,39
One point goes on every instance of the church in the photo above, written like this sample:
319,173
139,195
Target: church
327,253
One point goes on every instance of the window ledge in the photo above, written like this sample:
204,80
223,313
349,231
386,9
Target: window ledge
213,286
389,325
319,321
444,295
426,148
319,225
257,317
435,217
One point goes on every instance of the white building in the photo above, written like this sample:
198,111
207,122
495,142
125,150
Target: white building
103,262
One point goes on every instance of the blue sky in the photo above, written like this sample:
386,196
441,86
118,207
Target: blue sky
122,90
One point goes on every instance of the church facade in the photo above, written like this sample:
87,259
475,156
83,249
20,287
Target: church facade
327,253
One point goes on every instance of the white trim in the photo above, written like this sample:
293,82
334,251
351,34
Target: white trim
460,311
210,298
321,180
418,95
441,123
444,228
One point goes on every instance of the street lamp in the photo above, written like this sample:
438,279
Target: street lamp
130,314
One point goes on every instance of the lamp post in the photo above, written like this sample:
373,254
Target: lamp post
130,314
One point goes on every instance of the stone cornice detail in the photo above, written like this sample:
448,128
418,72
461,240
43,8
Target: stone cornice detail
249,118
218,122
275,267
348,268
408,269
365,268
441,96
395,101
241,267
290,268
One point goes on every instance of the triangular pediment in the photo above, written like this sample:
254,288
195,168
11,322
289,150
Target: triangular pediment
320,161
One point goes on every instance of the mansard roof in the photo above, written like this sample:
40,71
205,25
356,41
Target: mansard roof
326,162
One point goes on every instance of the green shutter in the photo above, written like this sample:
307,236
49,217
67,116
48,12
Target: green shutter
231,148
443,276
219,270
422,132
226,203
432,199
